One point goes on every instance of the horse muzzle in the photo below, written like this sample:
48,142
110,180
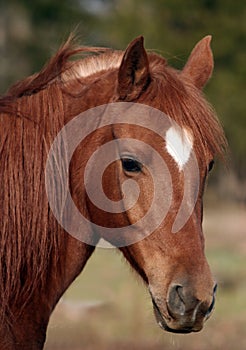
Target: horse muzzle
182,312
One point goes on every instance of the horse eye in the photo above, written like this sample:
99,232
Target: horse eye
131,165
211,165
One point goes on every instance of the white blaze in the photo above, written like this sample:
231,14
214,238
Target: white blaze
179,145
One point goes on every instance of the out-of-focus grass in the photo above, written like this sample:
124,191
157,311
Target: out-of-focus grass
109,308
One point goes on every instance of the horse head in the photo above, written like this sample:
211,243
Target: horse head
162,151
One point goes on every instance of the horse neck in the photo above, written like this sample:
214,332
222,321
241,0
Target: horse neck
28,329
47,259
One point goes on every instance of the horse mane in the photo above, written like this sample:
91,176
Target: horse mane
31,115
30,237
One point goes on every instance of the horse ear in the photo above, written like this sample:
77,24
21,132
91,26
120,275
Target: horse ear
200,64
133,74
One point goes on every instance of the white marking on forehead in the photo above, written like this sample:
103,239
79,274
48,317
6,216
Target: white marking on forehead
179,145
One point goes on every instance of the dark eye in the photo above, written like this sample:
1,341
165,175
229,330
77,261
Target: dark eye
131,165
211,165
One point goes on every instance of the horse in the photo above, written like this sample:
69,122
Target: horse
39,256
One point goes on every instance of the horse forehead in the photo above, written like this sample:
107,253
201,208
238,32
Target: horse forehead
179,144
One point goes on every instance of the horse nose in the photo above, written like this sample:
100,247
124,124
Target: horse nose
187,310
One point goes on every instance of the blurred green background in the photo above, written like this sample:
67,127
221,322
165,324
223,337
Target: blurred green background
106,308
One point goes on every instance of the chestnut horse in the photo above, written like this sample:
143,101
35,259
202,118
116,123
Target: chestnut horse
39,258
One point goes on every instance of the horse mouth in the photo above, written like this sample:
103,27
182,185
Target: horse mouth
163,321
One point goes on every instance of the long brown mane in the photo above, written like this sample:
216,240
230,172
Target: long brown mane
31,114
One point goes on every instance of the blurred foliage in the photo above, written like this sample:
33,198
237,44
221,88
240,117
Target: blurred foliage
31,30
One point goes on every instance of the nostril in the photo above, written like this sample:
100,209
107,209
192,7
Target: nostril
215,289
175,301
183,306
211,307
